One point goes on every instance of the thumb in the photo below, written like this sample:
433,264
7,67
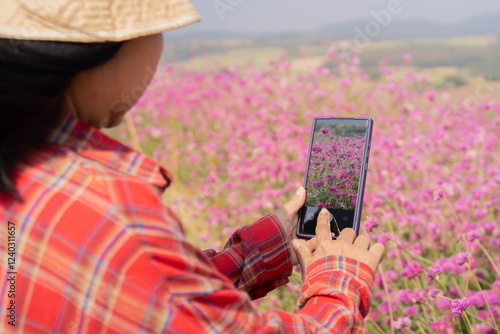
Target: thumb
304,255
296,202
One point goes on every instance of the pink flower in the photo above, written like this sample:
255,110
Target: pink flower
371,223
325,131
433,293
480,213
412,270
418,296
443,304
438,194
430,94
458,306
442,327
473,235
402,322
462,257
433,272
404,296
476,300
411,310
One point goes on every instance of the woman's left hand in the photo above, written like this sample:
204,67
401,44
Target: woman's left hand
288,216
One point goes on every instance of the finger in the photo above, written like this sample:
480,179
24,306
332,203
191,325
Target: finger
323,226
348,235
378,251
311,244
293,205
303,254
362,242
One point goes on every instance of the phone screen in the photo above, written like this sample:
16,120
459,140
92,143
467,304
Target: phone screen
335,174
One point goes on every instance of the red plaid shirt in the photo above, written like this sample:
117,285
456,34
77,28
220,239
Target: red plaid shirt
98,252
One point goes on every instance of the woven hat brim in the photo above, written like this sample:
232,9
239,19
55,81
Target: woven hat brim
118,20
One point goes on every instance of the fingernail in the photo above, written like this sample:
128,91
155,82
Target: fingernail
295,244
299,191
324,211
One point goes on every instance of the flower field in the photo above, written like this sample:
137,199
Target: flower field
236,140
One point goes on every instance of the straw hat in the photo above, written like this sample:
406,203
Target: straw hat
92,20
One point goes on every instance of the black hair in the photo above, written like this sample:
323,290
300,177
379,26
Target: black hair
34,76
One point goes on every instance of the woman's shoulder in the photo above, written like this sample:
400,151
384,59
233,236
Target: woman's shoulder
60,187
79,174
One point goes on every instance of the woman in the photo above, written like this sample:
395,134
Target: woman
96,250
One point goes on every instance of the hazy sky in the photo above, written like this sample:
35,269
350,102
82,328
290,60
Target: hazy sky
304,15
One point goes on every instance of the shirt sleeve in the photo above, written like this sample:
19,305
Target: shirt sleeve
257,258
335,299
181,291
342,282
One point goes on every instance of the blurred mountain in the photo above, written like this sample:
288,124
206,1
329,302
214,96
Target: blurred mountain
395,29
483,25
411,29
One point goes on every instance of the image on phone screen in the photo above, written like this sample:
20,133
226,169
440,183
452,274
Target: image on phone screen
335,174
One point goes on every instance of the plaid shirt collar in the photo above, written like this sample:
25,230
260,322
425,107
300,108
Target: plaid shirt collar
94,145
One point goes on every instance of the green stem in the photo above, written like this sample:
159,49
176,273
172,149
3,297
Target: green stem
397,243
463,238
467,278
425,316
375,324
413,257
460,325
397,253
391,315
469,267
408,329
472,315
489,257
484,282
468,322
430,307
419,325
480,320
486,302
460,291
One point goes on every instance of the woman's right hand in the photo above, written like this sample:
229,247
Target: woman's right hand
346,245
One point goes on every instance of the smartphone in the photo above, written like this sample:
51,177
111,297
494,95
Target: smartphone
336,173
